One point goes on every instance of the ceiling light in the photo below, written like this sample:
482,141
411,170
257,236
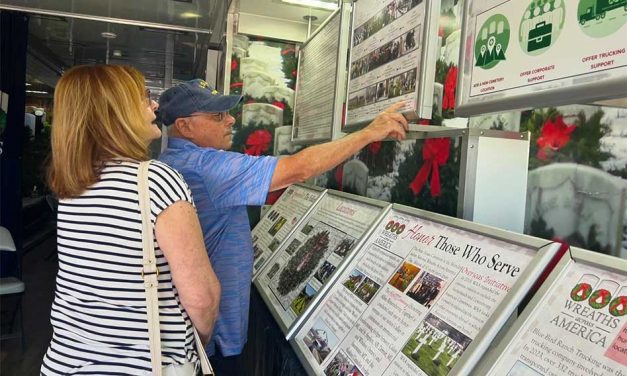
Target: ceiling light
188,15
320,4
117,53
36,92
28,84
108,35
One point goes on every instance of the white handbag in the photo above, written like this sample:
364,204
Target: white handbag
150,275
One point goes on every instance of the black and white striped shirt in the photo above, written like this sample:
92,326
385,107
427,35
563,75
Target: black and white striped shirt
99,311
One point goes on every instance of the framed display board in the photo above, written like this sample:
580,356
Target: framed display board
527,53
576,324
321,81
421,289
313,254
392,58
280,221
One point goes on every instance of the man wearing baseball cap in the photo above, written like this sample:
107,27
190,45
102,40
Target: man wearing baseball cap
223,183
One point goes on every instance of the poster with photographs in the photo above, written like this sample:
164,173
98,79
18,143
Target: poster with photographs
414,297
577,326
280,220
521,54
388,60
321,83
310,256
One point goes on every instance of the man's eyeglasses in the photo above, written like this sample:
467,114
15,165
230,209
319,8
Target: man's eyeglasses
218,116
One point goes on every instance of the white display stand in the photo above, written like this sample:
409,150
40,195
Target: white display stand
576,324
493,174
421,289
523,54
278,222
321,81
314,253
392,59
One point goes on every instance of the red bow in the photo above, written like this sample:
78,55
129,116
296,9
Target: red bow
450,83
236,84
258,142
374,148
278,104
339,173
435,153
554,136
274,196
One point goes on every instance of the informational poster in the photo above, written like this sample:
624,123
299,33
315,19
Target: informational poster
412,300
387,61
309,257
280,220
321,82
578,328
516,50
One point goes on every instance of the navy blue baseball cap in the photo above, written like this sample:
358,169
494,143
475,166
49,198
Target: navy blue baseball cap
193,96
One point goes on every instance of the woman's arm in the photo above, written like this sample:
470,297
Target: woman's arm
180,238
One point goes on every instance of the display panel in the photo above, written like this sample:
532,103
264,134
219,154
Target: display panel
392,58
576,325
280,220
521,54
321,80
417,294
309,258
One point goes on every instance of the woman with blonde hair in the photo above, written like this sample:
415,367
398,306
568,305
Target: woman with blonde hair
103,123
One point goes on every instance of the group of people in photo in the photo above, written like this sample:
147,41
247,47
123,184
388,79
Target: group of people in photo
401,84
385,54
426,289
383,18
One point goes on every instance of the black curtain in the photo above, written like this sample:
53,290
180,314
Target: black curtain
13,40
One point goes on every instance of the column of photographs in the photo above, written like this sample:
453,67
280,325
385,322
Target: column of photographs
412,300
385,56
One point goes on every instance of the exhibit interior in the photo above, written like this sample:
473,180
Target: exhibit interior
490,240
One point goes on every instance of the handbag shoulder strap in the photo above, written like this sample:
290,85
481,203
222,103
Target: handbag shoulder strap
150,272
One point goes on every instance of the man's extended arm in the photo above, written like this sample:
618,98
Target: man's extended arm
317,159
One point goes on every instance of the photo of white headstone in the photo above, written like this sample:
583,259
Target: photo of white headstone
438,94
239,52
283,140
255,81
450,50
355,177
573,199
279,93
507,121
250,64
261,113
241,41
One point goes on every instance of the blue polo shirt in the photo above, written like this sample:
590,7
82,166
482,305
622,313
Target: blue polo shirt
222,184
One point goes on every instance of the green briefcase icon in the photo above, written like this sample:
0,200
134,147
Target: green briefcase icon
539,36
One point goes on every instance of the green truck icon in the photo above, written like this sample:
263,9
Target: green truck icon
599,8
